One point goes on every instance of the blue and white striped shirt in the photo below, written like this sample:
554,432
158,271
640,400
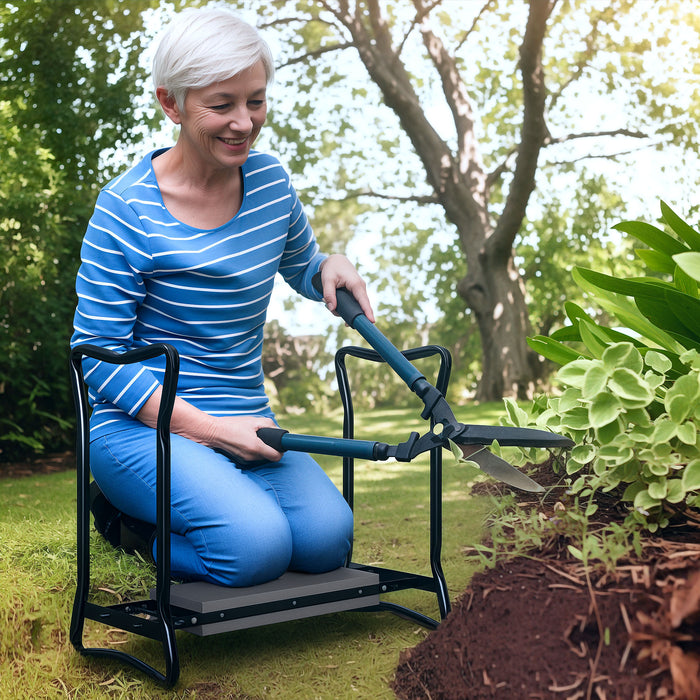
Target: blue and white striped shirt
146,278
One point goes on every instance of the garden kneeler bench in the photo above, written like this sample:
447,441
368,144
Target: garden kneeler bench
203,608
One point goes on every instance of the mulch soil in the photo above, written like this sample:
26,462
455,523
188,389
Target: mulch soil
542,627
47,464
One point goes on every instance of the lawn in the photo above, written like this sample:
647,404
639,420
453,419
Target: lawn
344,655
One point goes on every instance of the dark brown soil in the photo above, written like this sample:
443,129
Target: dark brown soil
540,627
47,464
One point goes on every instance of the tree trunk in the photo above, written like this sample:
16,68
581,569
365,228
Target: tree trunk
494,292
493,288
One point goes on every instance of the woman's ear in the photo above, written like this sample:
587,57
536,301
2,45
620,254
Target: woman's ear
169,105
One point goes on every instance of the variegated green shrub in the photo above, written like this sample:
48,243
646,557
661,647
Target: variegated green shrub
631,395
635,431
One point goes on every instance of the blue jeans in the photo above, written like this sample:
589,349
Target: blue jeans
229,526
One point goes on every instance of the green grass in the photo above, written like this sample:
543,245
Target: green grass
344,655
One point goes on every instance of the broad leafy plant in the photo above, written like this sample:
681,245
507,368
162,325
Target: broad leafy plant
631,395
635,430
660,311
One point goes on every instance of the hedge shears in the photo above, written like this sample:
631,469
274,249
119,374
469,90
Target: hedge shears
446,431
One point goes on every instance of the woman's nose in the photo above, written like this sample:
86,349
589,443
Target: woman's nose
241,120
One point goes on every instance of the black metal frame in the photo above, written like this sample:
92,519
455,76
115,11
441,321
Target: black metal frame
158,619
151,619
396,580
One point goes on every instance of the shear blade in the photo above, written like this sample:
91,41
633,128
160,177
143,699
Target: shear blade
498,468
510,436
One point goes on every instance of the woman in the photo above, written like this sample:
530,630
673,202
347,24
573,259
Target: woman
183,248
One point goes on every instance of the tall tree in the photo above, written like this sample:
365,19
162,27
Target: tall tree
513,80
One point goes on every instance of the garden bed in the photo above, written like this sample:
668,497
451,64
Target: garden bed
541,626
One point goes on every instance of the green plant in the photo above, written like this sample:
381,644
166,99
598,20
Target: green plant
67,116
535,528
659,311
514,531
631,395
635,430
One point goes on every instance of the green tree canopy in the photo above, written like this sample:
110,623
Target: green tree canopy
69,74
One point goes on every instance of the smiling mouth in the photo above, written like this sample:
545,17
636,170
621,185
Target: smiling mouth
233,142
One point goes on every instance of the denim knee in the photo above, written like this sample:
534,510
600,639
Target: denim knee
248,554
325,541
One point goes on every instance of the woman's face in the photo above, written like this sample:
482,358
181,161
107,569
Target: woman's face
220,122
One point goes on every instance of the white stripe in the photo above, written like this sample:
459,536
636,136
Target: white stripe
266,186
223,396
172,302
123,273
113,186
104,301
112,251
271,166
200,322
196,269
116,319
143,396
145,202
224,336
117,369
264,206
91,334
101,425
217,290
294,223
103,408
100,283
227,377
227,239
126,388
238,413
143,217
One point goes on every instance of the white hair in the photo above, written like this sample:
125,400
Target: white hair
205,46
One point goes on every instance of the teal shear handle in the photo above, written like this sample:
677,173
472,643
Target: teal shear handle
351,312
435,404
282,440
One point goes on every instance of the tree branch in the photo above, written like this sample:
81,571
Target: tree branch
603,156
303,58
549,140
500,169
421,12
292,20
415,22
471,29
373,42
418,199
380,29
580,66
468,158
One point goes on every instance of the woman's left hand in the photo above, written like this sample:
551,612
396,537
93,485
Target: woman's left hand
338,271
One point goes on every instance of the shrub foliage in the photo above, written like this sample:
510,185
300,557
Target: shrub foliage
631,395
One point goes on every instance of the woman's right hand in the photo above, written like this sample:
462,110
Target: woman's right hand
235,435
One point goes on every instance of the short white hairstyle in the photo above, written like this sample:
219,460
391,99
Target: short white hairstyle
205,46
